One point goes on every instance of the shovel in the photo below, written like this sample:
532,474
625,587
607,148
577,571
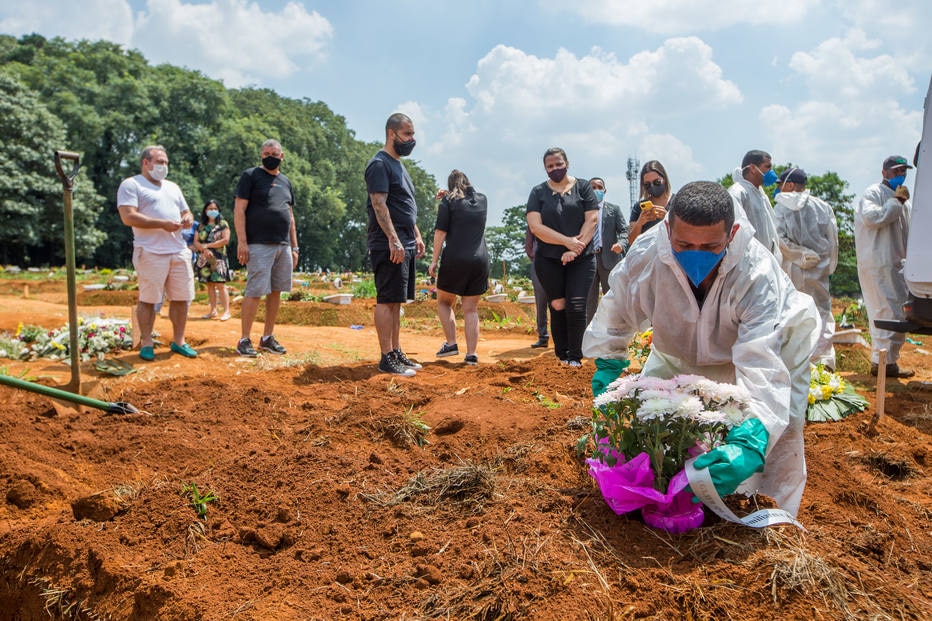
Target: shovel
119,407
67,179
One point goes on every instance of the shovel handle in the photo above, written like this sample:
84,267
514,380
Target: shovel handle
66,178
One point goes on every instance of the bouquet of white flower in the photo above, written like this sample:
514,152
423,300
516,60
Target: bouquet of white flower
645,428
96,337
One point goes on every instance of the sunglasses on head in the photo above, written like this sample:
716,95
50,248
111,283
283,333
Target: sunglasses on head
656,183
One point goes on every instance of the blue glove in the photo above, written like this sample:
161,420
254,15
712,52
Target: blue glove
607,371
742,455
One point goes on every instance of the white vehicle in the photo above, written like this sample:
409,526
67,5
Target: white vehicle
918,270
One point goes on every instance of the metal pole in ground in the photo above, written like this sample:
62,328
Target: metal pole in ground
68,184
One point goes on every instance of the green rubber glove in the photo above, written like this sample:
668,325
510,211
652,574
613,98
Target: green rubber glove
741,456
607,371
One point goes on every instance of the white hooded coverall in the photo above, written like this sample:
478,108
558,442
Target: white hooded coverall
756,206
881,227
754,330
809,244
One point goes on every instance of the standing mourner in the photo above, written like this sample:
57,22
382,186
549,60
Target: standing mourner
651,207
809,245
609,243
881,227
748,191
266,243
562,213
158,213
393,239
720,307
464,263
213,268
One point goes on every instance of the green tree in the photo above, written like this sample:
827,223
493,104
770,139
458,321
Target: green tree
506,243
30,197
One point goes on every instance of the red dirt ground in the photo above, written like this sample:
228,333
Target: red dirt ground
324,512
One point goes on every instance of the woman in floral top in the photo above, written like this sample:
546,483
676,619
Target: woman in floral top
212,266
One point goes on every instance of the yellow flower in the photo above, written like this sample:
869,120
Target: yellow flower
811,399
19,329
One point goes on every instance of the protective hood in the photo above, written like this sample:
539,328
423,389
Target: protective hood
794,201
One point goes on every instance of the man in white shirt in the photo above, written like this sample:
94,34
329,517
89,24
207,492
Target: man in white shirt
158,213
748,192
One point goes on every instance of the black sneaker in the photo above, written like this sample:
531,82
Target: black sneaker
269,344
541,342
471,359
245,348
448,350
390,364
400,357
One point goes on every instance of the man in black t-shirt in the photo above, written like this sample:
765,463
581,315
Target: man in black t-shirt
393,239
267,243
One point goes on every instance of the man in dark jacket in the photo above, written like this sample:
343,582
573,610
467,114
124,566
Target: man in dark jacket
610,243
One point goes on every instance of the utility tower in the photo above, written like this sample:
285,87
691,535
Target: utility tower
634,181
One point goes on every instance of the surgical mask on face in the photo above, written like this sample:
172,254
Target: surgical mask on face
599,195
556,175
698,263
404,148
270,162
896,182
213,213
159,171
776,191
770,178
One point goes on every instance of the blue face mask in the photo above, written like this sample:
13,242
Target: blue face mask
599,195
897,181
698,263
770,178
212,213
776,191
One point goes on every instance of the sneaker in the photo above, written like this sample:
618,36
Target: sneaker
245,348
574,363
448,350
471,359
541,342
269,344
400,356
147,353
184,349
390,364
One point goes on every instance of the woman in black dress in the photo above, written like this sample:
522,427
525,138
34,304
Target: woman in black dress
464,261
562,213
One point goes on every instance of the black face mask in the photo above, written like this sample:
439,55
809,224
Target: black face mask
404,148
270,162
656,189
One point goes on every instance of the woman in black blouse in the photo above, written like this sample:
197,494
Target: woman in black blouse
562,213
464,265
655,196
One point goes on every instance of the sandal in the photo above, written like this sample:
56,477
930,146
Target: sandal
210,315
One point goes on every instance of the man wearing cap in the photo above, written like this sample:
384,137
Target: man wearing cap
809,244
881,227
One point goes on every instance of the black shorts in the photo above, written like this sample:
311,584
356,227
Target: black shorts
468,277
394,282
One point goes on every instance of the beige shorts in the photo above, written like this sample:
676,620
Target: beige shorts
162,275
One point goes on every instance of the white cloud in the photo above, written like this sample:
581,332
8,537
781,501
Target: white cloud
90,19
599,108
685,16
851,115
233,40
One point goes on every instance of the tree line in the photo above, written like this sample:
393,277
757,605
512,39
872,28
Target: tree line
106,103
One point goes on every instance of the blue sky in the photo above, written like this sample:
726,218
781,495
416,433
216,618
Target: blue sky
824,84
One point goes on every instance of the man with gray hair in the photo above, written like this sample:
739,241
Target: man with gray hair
266,243
720,307
158,213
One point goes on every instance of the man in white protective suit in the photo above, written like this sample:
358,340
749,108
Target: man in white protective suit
748,191
881,227
721,307
809,244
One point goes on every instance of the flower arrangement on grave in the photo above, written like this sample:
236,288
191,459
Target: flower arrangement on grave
831,398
